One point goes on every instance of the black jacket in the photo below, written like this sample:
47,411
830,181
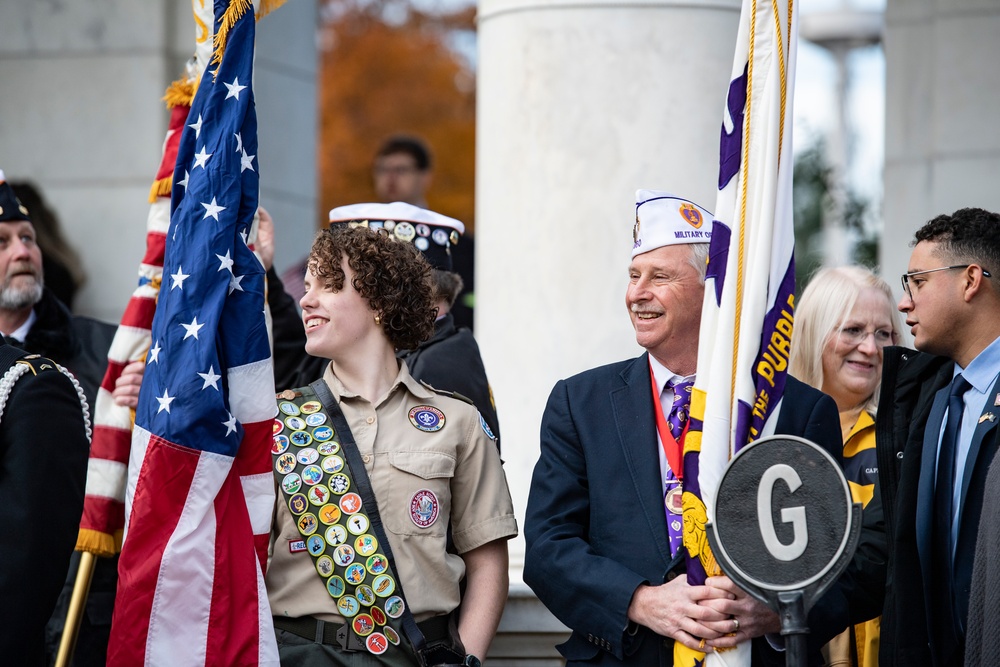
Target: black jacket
886,576
42,476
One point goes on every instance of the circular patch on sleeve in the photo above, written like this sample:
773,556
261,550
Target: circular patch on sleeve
427,418
424,508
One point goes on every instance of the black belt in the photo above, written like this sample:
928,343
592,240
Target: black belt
325,632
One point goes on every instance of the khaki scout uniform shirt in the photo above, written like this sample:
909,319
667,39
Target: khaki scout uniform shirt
458,463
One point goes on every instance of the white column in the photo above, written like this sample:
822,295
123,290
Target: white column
580,102
942,135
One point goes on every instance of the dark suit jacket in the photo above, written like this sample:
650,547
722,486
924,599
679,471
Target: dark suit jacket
595,526
891,573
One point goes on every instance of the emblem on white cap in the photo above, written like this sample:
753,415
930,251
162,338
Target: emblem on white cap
663,219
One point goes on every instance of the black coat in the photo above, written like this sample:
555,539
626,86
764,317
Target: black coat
890,573
595,528
43,468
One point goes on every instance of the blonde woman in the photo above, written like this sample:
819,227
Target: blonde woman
844,319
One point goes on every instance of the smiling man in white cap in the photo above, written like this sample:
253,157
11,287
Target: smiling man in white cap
603,529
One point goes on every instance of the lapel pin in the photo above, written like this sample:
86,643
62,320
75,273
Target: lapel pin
989,416
996,401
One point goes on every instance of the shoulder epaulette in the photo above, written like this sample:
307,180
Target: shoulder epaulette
450,394
37,363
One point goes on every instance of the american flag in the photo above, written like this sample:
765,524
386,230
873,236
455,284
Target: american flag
748,310
199,495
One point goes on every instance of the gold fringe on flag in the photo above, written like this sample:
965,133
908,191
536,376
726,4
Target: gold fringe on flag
161,187
236,9
98,543
180,92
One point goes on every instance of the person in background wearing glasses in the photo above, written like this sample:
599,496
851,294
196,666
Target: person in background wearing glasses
844,319
936,438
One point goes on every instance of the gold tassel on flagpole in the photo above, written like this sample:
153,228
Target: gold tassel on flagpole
74,615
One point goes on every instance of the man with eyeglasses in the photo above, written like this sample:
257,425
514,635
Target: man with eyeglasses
936,437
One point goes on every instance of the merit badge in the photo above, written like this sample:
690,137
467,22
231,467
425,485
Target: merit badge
297,504
366,545
311,475
423,230
285,464
391,635
336,535
427,418
377,644
421,244
295,546
318,495
355,573
322,433
279,444
377,564
363,625
289,409
674,500
329,514
378,615
300,438
486,428
424,508
295,423
277,427
333,464
440,237
383,585
307,456
291,483
365,595
335,586
324,565
328,448
315,419
350,503
340,482
344,555
394,607
390,225
348,606
357,524
315,545
404,231
307,524
311,407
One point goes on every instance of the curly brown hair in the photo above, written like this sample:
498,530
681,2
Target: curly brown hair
389,274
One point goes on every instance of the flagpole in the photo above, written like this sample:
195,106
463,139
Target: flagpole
74,615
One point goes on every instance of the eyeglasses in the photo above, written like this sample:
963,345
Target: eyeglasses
857,336
906,276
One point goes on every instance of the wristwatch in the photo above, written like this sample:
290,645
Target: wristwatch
472,661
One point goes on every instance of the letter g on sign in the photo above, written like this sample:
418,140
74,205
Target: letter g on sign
793,515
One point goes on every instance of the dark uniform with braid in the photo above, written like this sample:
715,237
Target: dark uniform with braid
44,442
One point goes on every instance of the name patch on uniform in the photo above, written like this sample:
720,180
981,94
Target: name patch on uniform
424,508
427,418
295,546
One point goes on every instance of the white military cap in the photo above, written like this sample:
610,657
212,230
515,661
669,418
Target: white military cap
663,219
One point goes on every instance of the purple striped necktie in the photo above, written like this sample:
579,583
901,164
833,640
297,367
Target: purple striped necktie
676,421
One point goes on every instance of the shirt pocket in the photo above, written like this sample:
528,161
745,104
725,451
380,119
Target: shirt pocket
419,493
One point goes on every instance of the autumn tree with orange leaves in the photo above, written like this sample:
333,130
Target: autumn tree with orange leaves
386,68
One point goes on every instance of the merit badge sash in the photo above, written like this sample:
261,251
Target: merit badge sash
326,488
320,487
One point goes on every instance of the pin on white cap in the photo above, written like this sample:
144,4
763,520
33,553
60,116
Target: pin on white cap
663,219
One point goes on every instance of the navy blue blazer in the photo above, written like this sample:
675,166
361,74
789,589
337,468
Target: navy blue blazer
595,527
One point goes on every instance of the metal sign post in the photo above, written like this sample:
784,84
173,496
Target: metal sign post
784,528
